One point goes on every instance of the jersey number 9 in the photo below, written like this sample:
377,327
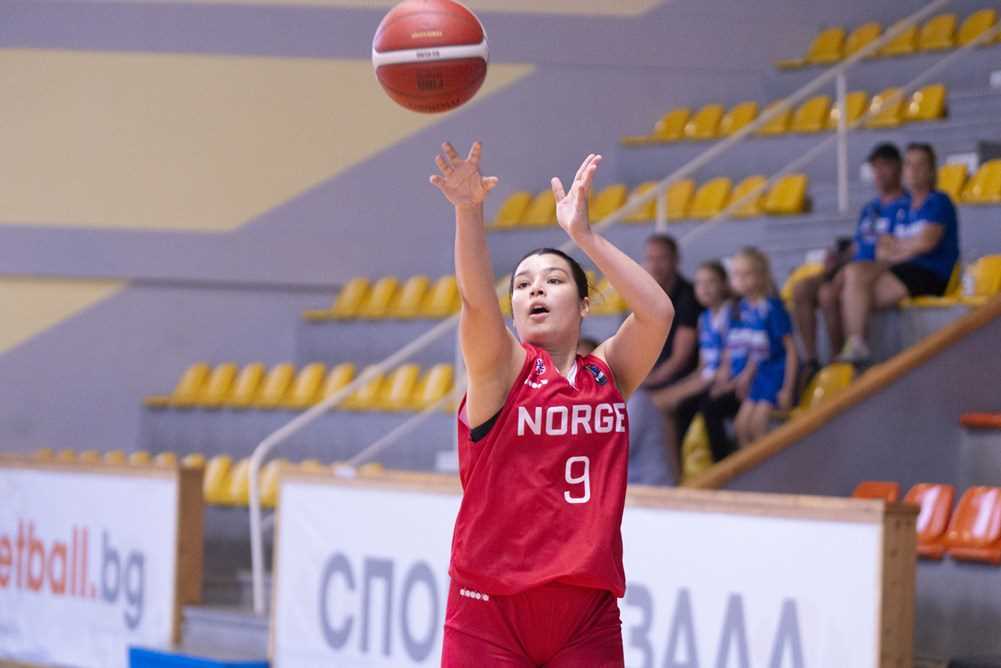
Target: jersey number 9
583,479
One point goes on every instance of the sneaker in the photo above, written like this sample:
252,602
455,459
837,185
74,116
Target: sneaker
855,352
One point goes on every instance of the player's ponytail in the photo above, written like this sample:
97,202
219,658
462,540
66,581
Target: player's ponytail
579,276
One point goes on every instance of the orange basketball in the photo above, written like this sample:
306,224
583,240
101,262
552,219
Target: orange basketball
430,55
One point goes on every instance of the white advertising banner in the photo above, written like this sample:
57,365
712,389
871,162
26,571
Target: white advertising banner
87,565
361,580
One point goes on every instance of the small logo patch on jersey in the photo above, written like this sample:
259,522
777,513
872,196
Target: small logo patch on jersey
540,366
598,374
539,370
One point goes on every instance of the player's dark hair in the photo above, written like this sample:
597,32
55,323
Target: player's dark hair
665,240
579,277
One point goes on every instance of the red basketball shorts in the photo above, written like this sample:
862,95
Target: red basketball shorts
554,625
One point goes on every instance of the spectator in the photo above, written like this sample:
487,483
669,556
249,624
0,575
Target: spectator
679,356
769,380
648,464
680,401
824,291
917,259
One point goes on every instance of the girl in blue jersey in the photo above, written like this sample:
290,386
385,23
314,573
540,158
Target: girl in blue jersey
713,293
763,325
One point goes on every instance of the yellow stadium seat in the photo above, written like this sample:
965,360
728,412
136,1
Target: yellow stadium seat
237,493
542,210
696,455
985,186
216,482
370,468
66,456
44,455
739,116
504,297
397,391
905,42
275,387
975,25
855,103
752,206
270,477
610,199
434,384
787,195
861,37
246,386
705,123
805,270
337,379
827,47
679,198
115,457
710,198
140,458
366,397
779,123
410,298
829,382
351,298
512,210
938,33
218,385
89,457
951,178
982,280
187,389
195,460
648,211
442,299
305,389
313,466
812,115
379,299
886,110
671,126
167,460
926,104
607,300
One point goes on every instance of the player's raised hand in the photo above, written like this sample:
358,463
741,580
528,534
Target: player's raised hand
572,207
460,181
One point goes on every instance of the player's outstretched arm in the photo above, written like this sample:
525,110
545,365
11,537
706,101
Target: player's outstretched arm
492,355
633,349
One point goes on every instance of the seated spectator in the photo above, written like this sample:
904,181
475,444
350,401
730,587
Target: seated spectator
824,291
917,258
769,380
680,401
648,464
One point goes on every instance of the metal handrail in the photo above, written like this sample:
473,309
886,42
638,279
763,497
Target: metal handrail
633,204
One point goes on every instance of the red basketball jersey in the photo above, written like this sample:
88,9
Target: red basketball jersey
543,491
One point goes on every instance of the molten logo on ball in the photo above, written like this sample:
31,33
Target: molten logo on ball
430,55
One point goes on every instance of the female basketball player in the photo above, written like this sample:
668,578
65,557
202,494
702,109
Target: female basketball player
537,552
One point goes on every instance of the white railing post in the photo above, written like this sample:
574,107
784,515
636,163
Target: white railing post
265,447
842,88
660,224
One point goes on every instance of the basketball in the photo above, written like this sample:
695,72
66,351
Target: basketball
430,56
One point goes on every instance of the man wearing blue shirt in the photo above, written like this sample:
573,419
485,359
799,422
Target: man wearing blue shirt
824,291
917,258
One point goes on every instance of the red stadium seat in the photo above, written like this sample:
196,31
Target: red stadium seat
975,530
935,501
877,489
